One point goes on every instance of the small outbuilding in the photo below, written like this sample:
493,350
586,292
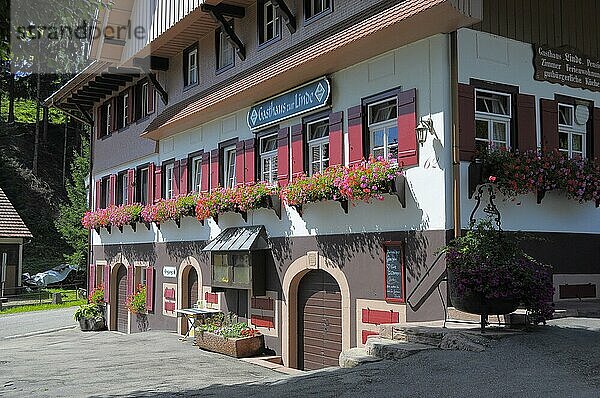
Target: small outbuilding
13,234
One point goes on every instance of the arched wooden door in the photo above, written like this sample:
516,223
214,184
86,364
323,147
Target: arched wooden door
192,286
121,299
319,321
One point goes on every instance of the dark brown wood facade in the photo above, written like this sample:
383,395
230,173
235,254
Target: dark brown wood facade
552,22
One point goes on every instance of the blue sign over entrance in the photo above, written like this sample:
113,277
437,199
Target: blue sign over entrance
300,100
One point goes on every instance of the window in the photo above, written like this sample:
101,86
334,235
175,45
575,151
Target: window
268,22
318,146
125,109
169,170
108,118
140,275
394,272
312,8
225,54
196,176
268,159
190,62
105,193
492,119
383,129
229,167
142,186
122,188
571,134
144,100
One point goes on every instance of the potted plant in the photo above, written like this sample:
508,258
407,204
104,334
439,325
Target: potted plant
136,304
224,335
91,316
489,274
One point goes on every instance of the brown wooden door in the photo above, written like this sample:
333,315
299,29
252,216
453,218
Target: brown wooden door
319,321
121,299
192,292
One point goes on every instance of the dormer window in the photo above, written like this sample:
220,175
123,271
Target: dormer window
269,26
190,61
316,8
225,54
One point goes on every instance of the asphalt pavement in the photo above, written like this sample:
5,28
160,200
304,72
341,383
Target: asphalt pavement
26,323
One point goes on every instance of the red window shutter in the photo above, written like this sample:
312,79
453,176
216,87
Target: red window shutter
596,136
205,172
106,283
112,190
157,183
151,170
183,176
176,178
407,128
151,98
297,151
130,287
240,169
283,157
249,161
336,139
130,186
526,132
150,288
98,192
214,169
466,123
549,124
91,279
355,135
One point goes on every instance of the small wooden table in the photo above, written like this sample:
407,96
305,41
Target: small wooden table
195,315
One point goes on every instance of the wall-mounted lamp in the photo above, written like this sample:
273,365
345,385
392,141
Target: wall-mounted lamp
425,126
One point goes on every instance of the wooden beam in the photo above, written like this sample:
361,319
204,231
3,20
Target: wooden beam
86,115
228,10
104,86
96,90
218,14
284,12
74,116
80,102
164,96
114,84
152,62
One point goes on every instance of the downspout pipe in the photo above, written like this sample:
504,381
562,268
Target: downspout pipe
455,135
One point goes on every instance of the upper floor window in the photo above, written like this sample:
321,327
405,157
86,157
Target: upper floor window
268,159
383,128
268,22
190,61
169,181
225,54
313,8
105,193
122,188
109,115
571,135
229,167
125,108
142,186
318,145
144,99
196,174
492,119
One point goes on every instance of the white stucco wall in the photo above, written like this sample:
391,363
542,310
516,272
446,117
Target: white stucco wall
500,60
423,65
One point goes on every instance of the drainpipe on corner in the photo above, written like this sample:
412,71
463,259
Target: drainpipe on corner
455,135
90,203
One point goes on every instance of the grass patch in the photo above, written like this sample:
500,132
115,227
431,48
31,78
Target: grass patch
41,307
25,110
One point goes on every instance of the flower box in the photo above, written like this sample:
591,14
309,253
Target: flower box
243,347
92,324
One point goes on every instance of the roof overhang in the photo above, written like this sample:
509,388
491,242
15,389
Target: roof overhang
396,26
240,239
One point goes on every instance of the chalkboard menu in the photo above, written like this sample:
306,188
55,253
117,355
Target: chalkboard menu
393,274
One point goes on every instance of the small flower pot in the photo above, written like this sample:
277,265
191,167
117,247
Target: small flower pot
92,324
243,347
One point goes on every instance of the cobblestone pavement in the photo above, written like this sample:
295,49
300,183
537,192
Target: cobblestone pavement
560,360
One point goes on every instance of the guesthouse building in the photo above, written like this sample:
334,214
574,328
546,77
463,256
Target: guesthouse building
229,94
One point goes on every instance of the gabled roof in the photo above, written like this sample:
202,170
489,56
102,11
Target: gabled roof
11,224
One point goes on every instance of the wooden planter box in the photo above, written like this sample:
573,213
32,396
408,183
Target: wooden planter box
238,348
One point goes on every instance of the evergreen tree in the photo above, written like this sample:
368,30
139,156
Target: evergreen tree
71,213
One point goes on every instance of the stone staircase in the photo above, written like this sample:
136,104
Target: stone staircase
396,342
